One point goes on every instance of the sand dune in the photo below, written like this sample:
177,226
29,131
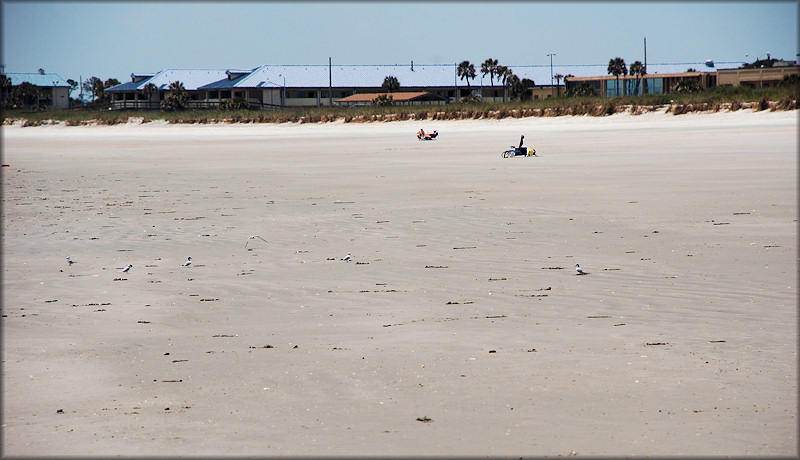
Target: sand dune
458,328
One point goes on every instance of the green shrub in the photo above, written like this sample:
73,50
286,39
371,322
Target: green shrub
174,102
687,86
382,100
236,103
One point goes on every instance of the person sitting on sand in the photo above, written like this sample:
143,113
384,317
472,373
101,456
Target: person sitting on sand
421,135
519,150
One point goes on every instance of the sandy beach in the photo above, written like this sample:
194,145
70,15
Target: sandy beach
460,326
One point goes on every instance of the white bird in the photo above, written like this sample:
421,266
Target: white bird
580,270
252,237
127,268
347,257
187,263
70,261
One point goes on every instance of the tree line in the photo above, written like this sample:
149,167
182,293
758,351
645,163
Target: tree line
27,95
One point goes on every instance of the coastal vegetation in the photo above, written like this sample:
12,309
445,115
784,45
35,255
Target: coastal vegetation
783,97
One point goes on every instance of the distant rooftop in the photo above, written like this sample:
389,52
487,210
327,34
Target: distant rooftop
42,80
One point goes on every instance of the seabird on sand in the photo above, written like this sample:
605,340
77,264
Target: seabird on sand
580,270
188,262
70,261
127,268
347,257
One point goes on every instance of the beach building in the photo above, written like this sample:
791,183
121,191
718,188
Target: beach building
147,90
657,83
757,78
278,86
660,82
53,90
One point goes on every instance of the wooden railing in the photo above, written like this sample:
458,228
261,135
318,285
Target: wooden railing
156,105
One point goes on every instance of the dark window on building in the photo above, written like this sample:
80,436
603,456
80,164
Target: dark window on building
225,94
655,86
213,94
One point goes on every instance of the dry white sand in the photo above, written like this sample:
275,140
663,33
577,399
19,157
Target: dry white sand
460,326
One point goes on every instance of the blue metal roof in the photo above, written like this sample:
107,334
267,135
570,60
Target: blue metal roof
124,87
223,84
45,80
192,79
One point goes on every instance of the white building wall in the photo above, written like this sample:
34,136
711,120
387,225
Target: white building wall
61,98
272,96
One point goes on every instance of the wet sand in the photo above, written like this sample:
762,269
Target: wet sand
459,327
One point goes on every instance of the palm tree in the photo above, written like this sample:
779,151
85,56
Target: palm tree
504,74
177,97
489,66
558,78
617,67
637,70
390,84
176,87
27,93
5,86
565,77
519,88
111,82
87,88
95,87
466,70
149,90
73,85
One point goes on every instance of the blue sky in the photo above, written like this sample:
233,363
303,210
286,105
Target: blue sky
115,39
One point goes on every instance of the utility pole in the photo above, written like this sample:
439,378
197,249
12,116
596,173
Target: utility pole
644,83
551,73
330,84
455,82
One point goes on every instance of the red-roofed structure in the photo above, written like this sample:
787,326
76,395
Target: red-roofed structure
399,98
